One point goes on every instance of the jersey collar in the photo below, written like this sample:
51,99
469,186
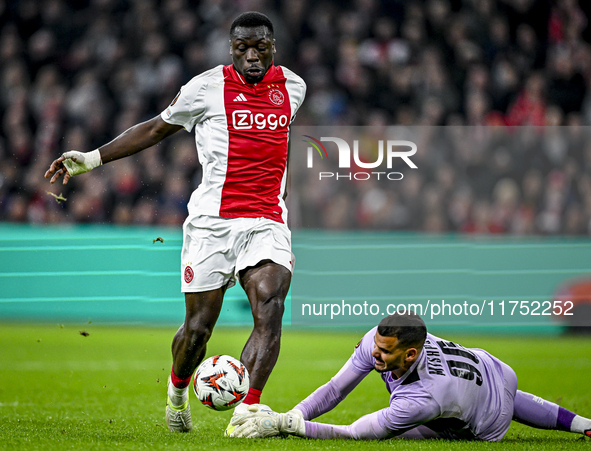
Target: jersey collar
411,375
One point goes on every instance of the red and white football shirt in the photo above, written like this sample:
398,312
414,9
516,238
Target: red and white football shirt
241,132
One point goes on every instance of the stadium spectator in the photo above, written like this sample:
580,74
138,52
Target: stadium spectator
432,62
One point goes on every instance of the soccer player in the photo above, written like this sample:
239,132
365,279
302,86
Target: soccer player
438,389
237,223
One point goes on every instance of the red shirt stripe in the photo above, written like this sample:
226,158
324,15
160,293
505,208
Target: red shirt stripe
258,130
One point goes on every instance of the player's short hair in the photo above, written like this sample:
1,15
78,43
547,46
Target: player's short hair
409,328
251,19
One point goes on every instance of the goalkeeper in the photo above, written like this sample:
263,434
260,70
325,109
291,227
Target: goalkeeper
438,389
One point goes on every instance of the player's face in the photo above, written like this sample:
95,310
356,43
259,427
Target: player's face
252,52
390,356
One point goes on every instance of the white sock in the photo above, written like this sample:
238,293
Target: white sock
178,396
580,424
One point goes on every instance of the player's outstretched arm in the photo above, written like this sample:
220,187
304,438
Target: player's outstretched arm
367,427
266,423
329,395
131,141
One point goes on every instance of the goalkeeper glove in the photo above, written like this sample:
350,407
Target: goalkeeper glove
240,413
266,423
81,162
293,423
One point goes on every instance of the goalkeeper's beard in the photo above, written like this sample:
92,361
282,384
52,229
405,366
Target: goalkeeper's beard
385,368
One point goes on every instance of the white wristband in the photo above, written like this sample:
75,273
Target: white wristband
81,162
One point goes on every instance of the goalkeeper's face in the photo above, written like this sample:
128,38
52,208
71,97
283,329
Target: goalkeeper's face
390,356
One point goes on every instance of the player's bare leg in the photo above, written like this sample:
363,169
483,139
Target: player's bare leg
266,286
188,349
189,343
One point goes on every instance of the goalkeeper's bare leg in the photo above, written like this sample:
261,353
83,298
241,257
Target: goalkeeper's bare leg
188,349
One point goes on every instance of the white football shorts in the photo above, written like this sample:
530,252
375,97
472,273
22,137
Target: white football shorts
216,249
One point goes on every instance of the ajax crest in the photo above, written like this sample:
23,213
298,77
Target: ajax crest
276,96
189,274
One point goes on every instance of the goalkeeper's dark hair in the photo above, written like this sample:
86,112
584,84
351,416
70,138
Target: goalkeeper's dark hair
409,328
251,19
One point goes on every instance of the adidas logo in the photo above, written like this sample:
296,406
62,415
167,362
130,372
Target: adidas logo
240,98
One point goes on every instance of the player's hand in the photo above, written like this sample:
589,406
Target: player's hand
253,408
261,423
72,163
256,423
240,418
293,423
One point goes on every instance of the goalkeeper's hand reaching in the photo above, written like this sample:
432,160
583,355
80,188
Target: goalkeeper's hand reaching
72,163
266,423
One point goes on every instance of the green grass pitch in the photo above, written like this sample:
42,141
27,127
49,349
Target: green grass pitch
62,390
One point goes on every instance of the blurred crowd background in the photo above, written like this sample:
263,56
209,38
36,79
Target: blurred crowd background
76,73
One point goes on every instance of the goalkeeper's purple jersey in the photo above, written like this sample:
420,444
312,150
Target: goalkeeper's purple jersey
453,391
